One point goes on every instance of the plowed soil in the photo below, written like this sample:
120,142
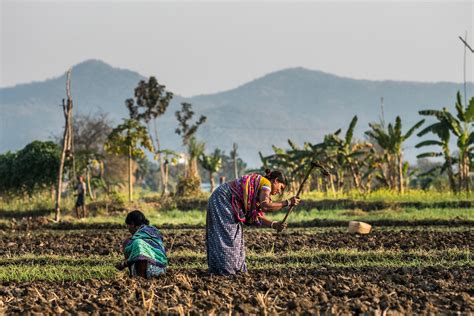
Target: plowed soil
105,242
325,290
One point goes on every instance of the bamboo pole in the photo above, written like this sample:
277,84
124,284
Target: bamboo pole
67,144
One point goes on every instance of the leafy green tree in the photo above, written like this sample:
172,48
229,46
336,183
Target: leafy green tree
212,163
9,179
129,138
38,164
151,101
35,167
391,141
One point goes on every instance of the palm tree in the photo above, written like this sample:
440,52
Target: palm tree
212,164
391,141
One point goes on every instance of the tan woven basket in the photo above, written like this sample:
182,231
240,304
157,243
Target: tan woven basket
359,227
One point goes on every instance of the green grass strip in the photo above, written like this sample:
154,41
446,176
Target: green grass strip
59,260
341,258
300,215
61,268
407,214
357,265
60,272
410,195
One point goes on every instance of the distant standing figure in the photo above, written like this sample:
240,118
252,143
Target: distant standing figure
80,202
242,201
144,252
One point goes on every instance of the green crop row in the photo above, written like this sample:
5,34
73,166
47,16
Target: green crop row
60,268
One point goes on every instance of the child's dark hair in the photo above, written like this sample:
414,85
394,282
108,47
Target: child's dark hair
275,174
136,218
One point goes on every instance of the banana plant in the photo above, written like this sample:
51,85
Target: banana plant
291,162
374,169
465,135
349,155
391,141
460,125
380,135
301,157
441,128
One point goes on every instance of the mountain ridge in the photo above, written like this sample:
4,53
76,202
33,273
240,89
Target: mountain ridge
293,103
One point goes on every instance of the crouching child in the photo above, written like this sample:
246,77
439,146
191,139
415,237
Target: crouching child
145,254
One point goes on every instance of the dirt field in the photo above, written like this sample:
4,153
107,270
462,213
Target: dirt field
105,242
322,290
318,288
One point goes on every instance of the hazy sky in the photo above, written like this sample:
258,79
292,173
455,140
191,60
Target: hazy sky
202,47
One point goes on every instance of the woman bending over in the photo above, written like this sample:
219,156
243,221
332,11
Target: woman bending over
232,204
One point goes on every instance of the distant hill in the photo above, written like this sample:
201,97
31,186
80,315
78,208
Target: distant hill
296,103
32,111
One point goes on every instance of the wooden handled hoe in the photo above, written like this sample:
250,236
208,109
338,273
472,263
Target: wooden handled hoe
311,167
